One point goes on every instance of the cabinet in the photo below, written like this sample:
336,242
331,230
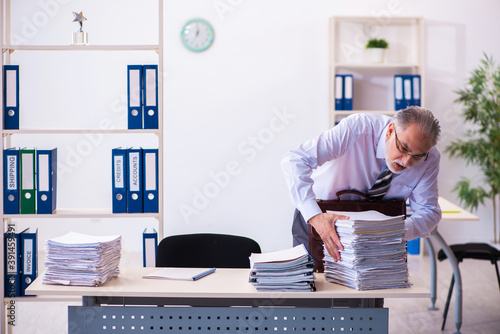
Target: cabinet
83,121
373,84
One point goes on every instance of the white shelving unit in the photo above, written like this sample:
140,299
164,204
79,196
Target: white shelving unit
76,214
373,88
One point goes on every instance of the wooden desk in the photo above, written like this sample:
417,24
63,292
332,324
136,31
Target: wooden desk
450,212
331,307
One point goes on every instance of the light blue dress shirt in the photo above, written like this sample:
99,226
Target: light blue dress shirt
350,156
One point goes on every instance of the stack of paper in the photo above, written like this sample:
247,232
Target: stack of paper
374,255
80,259
286,270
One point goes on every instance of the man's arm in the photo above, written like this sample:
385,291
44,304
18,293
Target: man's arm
298,166
424,202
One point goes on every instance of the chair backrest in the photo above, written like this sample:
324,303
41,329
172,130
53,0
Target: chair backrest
204,250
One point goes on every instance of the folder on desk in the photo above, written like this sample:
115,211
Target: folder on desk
416,90
46,181
134,93
27,201
29,259
407,91
119,177
339,92
398,92
134,181
348,90
150,171
11,181
11,96
150,87
149,247
12,263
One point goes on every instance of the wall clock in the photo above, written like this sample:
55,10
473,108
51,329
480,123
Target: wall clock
197,35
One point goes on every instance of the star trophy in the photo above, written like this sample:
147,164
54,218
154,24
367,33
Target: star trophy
80,37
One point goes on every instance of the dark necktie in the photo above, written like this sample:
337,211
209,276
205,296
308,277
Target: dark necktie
381,185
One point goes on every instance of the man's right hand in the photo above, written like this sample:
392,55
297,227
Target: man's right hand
324,224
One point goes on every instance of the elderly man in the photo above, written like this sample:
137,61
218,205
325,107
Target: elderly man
397,157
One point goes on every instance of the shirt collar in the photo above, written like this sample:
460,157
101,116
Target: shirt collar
381,144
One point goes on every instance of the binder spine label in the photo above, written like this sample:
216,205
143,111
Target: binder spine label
150,165
119,177
12,172
135,175
28,257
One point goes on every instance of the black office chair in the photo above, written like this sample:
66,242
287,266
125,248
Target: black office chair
478,251
206,250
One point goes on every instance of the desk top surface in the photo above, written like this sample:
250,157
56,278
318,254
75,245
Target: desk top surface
454,212
223,283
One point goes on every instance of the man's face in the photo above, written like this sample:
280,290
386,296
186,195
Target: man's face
405,148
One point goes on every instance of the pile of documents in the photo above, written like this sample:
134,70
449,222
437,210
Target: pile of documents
286,270
80,259
374,255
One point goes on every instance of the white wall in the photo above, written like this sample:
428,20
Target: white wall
260,90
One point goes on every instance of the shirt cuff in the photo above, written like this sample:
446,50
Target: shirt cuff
309,210
410,231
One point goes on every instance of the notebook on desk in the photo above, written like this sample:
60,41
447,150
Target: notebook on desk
183,274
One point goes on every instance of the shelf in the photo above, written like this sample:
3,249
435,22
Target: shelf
351,112
373,84
84,213
80,47
77,131
375,66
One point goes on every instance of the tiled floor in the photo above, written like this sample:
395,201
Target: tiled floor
481,305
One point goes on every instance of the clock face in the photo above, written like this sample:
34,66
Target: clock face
197,35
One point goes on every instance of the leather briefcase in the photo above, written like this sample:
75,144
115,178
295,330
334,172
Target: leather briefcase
391,207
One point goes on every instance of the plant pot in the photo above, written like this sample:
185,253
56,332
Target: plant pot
376,55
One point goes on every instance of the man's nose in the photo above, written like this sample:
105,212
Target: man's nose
406,159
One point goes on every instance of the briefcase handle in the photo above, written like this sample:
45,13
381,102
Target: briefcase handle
354,192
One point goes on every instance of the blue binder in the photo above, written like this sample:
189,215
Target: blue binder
134,181
150,98
119,176
149,247
11,96
12,265
29,259
11,181
398,92
46,181
413,246
348,91
339,92
134,96
150,172
416,90
407,91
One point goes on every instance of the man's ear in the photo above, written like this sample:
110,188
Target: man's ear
390,130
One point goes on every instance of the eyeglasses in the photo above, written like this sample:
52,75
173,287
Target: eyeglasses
403,150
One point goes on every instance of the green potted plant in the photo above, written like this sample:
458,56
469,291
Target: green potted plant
481,144
376,48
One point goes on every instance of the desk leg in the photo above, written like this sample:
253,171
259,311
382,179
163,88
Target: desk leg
432,257
458,278
89,301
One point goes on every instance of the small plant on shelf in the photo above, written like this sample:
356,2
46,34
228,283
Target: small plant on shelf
377,44
376,48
